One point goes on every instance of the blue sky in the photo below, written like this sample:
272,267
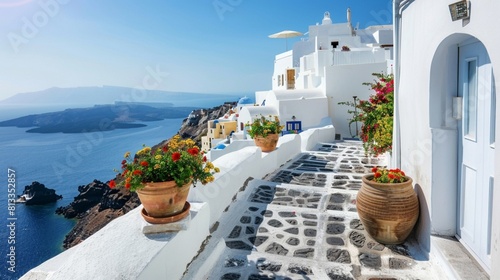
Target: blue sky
210,46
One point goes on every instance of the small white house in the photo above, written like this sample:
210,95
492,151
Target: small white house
447,61
328,67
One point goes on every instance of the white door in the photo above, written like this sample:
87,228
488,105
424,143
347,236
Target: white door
476,150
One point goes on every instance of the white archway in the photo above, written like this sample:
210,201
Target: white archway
446,144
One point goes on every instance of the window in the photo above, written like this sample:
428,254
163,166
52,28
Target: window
471,100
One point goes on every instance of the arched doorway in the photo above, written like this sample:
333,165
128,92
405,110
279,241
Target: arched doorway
462,117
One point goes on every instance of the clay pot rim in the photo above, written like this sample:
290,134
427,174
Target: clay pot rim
367,180
268,135
153,187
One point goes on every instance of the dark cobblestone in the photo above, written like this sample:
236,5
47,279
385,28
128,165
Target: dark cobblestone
292,230
245,220
249,230
309,232
287,214
293,241
299,269
356,224
277,249
231,276
258,240
304,253
336,241
234,262
336,275
357,239
275,223
269,266
309,216
370,260
310,223
338,255
335,228
235,232
238,245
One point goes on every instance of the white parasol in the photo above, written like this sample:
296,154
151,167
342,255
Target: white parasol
286,34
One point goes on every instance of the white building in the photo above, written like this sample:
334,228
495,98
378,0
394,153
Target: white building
328,67
446,130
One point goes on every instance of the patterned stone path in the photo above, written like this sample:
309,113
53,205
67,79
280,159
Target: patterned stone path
300,222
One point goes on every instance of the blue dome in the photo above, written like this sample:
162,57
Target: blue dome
245,100
220,147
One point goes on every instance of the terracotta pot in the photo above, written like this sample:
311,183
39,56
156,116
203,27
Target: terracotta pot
163,199
267,144
388,211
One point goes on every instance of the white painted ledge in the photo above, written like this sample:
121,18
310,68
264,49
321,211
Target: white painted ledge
121,251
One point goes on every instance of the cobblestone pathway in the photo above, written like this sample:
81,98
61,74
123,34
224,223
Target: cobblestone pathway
300,222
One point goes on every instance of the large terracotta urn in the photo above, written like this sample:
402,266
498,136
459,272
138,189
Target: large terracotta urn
268,143
388,211
164,202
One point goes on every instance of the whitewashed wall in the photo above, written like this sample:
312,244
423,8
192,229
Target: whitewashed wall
427,134
338,90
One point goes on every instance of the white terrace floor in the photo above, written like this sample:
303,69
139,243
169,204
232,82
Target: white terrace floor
300,222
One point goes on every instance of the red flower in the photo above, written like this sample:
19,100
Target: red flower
144,163
204,158
124,162
112,184
377,175
374,169
127,186
164,148
193,151
176,156
137,172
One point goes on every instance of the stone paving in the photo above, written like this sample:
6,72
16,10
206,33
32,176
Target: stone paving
300,222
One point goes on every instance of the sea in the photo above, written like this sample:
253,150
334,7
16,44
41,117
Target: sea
30,235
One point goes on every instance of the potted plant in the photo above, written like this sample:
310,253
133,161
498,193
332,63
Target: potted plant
265,132
376,114
387,205
162,177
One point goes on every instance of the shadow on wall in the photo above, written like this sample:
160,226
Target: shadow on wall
423,226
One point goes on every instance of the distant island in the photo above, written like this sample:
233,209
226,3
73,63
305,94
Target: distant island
77,97
121,115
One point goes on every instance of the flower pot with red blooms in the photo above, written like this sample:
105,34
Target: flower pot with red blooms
387,205
265,132
163,176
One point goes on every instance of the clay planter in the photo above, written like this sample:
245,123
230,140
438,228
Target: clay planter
164,202
267,144
388,211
